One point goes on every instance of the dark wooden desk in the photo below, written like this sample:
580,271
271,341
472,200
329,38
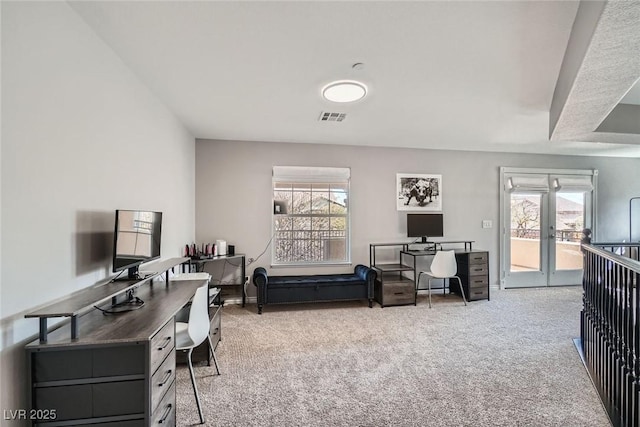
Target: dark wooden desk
120,370
393,287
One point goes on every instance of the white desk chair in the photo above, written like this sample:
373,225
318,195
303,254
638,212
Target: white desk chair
443,266
192,334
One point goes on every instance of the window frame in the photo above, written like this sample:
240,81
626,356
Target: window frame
316,179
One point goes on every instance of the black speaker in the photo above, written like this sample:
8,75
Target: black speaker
231,250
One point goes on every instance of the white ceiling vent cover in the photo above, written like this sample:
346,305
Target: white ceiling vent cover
331,117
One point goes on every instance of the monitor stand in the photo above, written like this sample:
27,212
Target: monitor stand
133,273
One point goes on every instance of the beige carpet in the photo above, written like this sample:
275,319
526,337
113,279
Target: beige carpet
505,362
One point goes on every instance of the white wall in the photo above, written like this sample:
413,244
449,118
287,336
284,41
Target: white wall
233,193
81,137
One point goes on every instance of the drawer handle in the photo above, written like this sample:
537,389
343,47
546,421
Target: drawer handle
398,293
166,414
165,379
168,340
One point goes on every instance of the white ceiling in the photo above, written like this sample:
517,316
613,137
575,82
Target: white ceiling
476,75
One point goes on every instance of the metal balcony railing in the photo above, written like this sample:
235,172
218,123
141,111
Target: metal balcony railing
534,233
610,327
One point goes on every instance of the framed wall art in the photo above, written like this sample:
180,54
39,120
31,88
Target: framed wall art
418,192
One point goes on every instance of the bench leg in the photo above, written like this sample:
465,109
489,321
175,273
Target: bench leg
259,308
370,303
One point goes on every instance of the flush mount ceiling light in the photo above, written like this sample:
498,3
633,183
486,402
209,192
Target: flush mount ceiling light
344,91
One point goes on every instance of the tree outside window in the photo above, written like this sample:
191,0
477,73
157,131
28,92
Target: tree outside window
313,226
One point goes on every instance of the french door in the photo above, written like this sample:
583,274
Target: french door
543,215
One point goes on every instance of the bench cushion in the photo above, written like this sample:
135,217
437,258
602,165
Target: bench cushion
323,279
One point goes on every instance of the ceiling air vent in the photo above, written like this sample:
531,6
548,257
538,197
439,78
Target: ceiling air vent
332,117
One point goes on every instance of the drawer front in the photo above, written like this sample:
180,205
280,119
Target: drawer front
90,363
162,379
119,398
119,360
478,293
162,344
61,365
398,293
69,402
476,282
73,402
478,257
478,270
165,413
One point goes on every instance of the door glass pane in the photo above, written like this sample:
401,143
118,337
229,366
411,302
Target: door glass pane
525,232
569,225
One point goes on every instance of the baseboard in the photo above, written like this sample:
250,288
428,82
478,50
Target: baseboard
578,343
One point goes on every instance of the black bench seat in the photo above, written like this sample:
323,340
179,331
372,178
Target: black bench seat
317,287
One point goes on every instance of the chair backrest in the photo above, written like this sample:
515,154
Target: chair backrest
199,315
444,264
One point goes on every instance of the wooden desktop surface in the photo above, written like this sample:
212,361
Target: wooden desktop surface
162,302
80,301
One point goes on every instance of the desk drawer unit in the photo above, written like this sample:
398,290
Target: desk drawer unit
473,270
108,371
394,291
104,385
163,373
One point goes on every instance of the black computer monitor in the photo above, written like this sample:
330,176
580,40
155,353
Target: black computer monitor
136,240
425,226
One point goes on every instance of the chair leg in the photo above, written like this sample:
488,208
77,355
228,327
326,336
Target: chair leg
213,355
429,292
461,290
195,387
